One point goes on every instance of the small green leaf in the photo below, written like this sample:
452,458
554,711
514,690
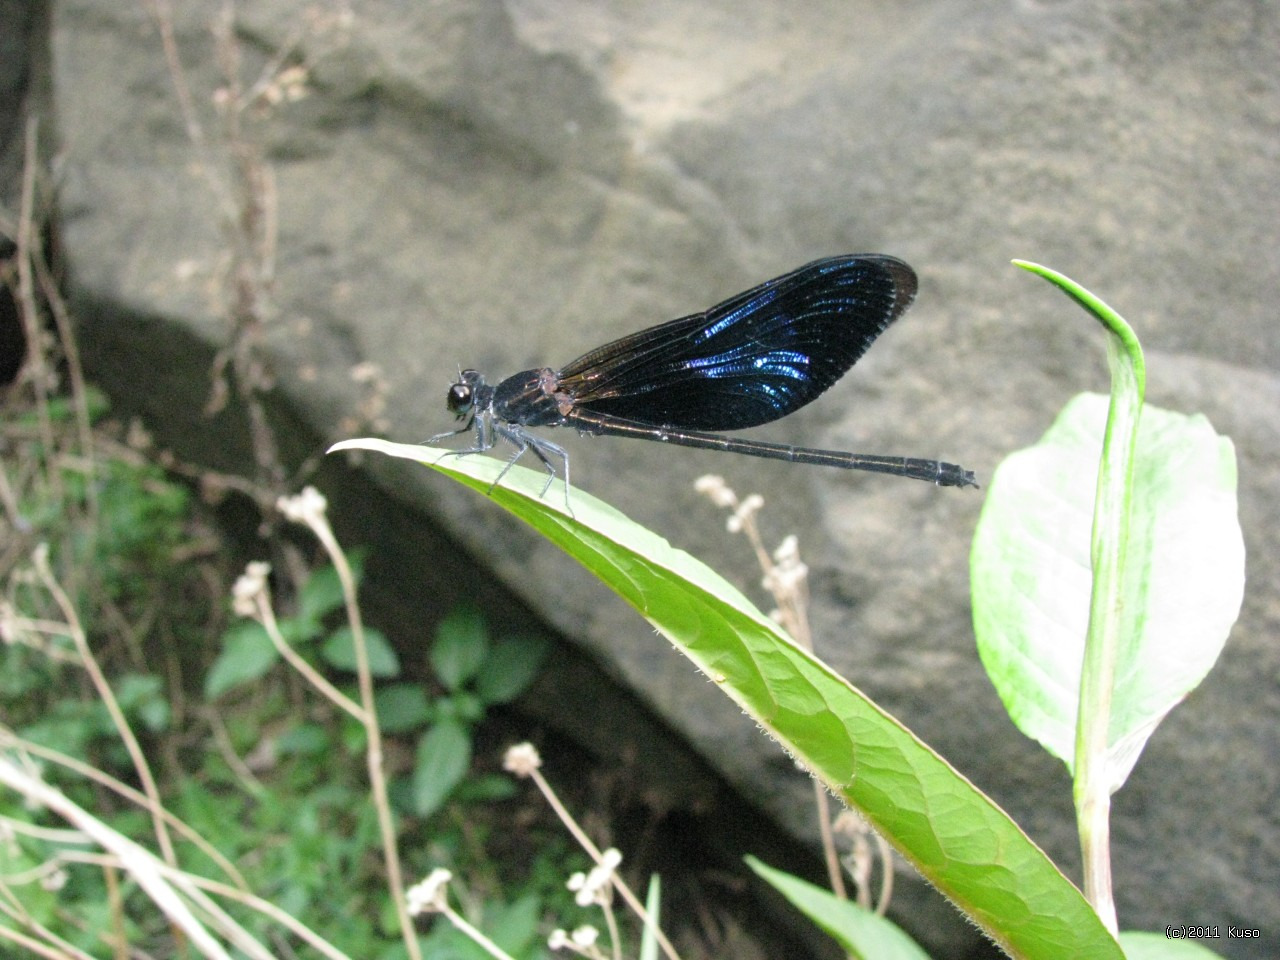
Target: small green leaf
649,945
247,654
463,706
319,597
444,754
514,926
487,788
140,694
1183,580
401,707
322,593
339,651
860,933
353,735
510,668
460,647
306,739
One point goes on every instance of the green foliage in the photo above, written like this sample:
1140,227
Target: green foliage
1108,569
1032,583
949,830
460,648
402,707
141,517
142,696
339,652
474,672
1179,587
509,669
861,933
113,529
513,927
284,796
649,946
444,754
321,596
247,654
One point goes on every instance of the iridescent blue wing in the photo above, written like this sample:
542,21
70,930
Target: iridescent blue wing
752,359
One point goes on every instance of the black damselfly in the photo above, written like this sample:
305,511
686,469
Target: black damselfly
750,360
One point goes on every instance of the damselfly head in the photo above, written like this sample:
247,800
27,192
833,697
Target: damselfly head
462,395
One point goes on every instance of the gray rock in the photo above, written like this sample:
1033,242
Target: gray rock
504,185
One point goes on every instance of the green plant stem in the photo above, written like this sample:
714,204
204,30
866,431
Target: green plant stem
1097,677
1112,507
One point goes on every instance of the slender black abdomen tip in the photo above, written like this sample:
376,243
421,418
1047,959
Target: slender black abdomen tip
952,475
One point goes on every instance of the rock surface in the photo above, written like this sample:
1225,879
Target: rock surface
507,185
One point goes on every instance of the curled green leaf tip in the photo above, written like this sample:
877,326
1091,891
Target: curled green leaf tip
1108,317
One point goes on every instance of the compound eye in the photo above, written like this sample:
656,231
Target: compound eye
460,400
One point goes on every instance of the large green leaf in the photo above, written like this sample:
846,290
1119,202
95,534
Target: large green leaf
1183,578
951,832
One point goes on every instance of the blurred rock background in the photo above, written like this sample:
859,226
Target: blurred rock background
509,184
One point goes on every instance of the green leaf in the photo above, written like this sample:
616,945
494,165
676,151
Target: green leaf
649,945
306,739
321,594
860,933
401,707
460,647
247,654
1183,578
444,754
464,706
1127,340
487,788
38,904
510,668
340,651
1140,945
141,694
953,834
514,926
